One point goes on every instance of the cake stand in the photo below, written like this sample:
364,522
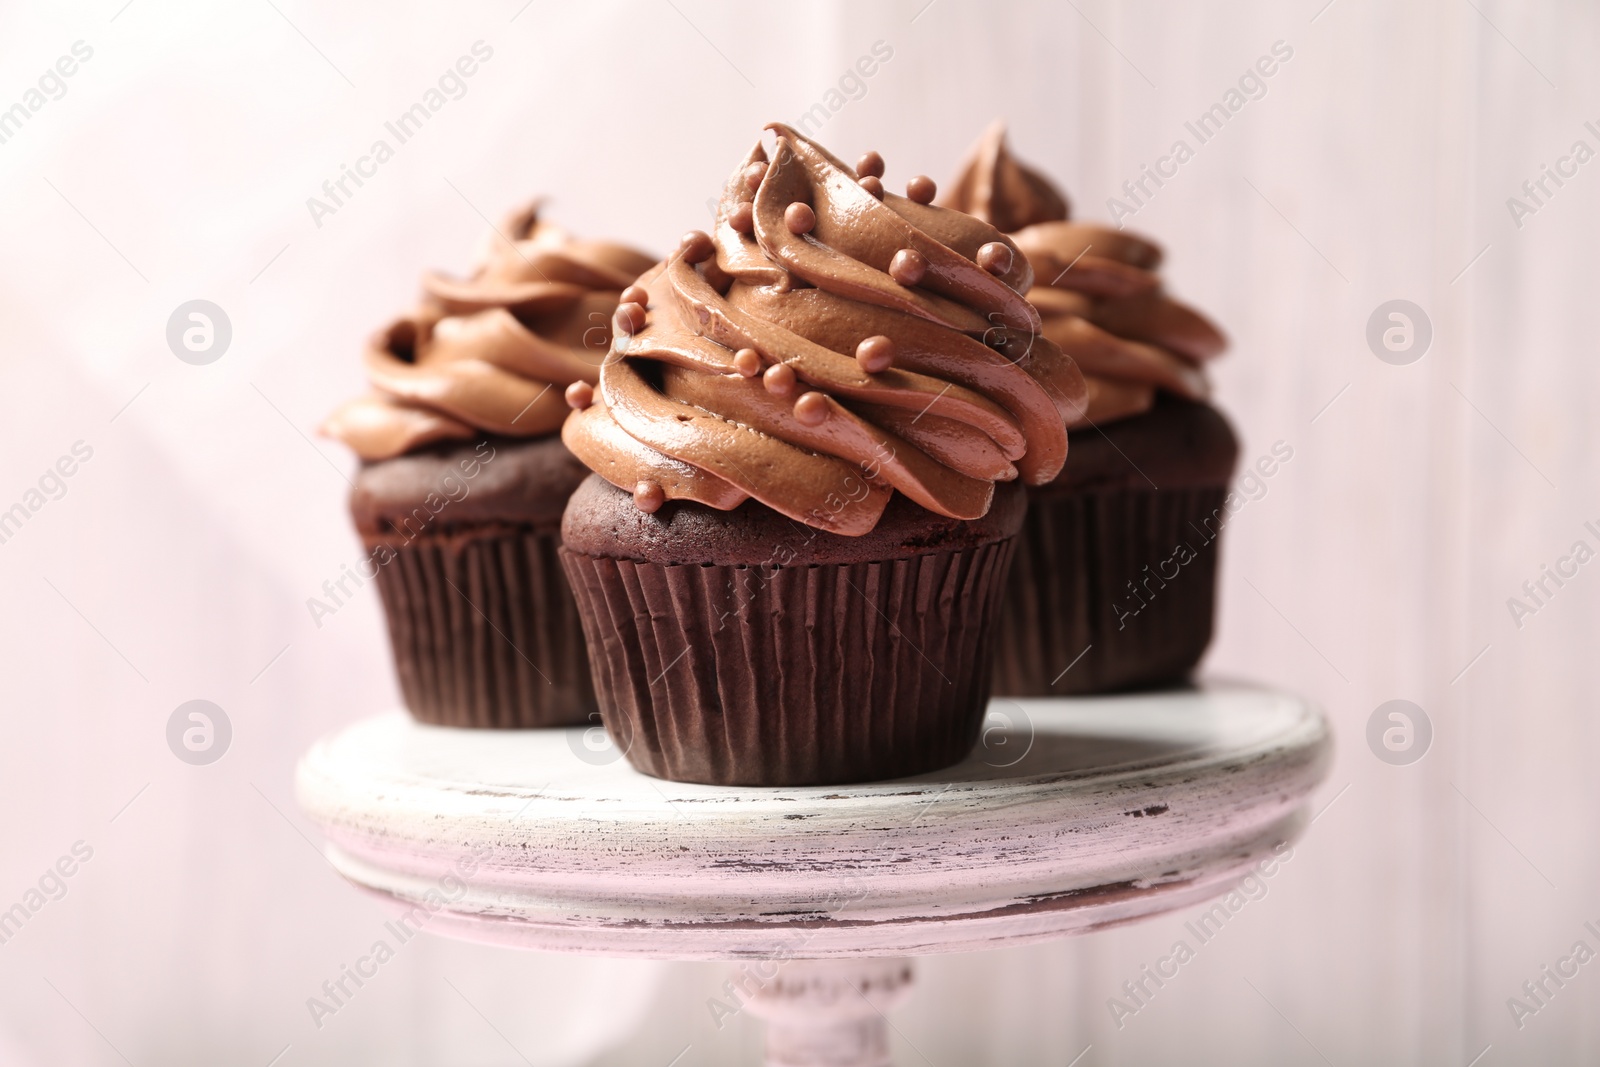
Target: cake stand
1072,814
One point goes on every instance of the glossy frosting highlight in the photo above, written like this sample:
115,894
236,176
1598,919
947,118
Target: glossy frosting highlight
1096,288
830,344
491,353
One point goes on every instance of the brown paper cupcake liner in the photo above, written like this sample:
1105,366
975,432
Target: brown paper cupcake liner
1109,590
485,630
811,675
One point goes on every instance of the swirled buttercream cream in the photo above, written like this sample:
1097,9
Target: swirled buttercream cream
491,354
830,344
1096,288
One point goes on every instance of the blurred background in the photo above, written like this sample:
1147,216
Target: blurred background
1384,159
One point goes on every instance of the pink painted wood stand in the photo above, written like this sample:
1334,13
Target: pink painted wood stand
1073,814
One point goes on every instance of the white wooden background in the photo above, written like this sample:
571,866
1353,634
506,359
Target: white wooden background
1377,565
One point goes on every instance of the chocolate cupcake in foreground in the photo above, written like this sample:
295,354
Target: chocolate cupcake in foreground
464,477
1114,581
810,438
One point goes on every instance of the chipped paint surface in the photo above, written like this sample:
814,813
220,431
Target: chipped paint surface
1124,806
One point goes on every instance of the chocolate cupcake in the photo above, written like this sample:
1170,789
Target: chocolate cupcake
464,477
1113,586
808,439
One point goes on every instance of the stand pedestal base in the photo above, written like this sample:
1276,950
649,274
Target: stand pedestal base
831,1013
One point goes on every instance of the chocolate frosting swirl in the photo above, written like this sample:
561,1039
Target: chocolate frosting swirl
757,367
490,354
1096,288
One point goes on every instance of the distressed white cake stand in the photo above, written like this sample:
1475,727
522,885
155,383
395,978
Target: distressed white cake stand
1073,814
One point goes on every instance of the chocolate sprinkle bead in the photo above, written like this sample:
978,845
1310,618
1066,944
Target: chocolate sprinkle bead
636,294
875,354
922,189
743,217
779,379
747,361
648,497
871,163
697,246
753,175
629,318
580,395
995,257
799,217
873,186
811,409
908,266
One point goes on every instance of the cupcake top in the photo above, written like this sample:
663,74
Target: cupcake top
830,344
1096,289
491,353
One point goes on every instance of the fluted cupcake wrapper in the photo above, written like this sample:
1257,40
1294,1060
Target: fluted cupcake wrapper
810,675
1118,586
485,630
